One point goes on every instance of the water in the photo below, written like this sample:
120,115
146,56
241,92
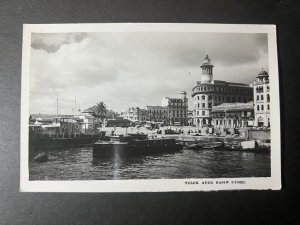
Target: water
78,164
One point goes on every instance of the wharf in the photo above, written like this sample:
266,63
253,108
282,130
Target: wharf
206,138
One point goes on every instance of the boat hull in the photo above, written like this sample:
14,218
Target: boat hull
133,148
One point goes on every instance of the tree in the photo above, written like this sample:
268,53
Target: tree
100,110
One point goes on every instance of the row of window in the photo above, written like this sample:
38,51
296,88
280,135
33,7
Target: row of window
222,98
221,122
260,89
157,111
261,108
226,89
202,113
233,114
207,71
262,98
204,105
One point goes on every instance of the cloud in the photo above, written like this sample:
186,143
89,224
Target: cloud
134,69
52,42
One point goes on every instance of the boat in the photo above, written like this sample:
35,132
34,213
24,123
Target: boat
254,148
194,146
213,146
131,145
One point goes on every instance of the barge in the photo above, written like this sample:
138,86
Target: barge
134,144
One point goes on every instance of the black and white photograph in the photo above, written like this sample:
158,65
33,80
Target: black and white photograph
149,107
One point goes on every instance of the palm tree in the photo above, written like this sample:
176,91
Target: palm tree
100,110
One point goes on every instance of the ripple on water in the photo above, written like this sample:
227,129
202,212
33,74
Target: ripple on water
78,164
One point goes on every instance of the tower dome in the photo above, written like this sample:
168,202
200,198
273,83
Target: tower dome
263,73
207,70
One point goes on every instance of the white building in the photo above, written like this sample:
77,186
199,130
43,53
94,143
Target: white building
177,109
261,88
208,93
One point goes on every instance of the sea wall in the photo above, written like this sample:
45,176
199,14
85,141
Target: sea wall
262,134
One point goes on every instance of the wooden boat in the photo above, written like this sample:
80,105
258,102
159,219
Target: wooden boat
194,146
214,146
130,146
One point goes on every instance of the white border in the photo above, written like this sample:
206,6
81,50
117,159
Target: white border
152,185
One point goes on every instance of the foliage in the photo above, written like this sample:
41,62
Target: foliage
100,110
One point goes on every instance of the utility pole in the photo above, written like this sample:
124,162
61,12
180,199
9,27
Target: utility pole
57,107
75,107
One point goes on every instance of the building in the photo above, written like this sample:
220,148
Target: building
208,93
118,123
135,114
262,100
157,114
190,117
177,109
63,126
233,115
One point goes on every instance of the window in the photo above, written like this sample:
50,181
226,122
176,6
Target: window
268,98
203,97
257,107
203,105
198,98
261,97
198,105
268,107
198,113
203,113
209,105
262,107
209,97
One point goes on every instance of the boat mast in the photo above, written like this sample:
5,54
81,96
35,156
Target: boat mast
57,107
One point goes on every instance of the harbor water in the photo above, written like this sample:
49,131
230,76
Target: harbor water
79,164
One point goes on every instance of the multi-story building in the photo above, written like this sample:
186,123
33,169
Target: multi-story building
190,117
177,109
233,115
209,92
262,100
135,114
157,114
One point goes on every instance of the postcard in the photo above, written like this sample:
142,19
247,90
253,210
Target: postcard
134,107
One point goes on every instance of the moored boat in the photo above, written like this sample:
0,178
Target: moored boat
131,145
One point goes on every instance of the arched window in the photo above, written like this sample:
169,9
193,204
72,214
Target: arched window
203,97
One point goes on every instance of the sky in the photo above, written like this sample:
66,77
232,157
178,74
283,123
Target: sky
129,69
